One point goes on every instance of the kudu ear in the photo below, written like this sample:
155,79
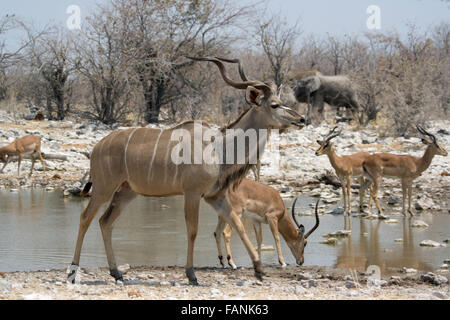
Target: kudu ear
254,95
301,231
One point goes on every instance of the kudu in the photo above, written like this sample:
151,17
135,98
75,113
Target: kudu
405,167
27,145
263,204
138,161
346,168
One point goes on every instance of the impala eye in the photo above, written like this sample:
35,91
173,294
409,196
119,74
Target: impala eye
274,106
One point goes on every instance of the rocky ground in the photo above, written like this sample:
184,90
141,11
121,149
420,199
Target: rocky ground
170,283
296,171
289,163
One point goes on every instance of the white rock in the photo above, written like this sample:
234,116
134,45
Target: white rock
419,224
431,243
409,270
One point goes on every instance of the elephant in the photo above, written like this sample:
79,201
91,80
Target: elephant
314,88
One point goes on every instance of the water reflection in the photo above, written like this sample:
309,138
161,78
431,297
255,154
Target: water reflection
38,230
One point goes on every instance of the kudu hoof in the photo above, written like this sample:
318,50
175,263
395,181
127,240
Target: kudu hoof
191,276
72,274
116,274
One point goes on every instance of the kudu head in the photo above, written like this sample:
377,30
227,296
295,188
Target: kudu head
264,97
325,144
298,245
431,142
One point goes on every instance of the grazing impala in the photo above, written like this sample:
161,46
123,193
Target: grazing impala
405,167
139,161
346,167
27,145
263,204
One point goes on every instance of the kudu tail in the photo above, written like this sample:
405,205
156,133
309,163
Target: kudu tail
86,189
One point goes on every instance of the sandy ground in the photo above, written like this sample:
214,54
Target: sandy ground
170,283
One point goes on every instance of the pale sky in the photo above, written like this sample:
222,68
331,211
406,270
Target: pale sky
337,17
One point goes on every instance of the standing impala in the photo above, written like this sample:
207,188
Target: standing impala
263,204
139,161
405,167
346,167
27,145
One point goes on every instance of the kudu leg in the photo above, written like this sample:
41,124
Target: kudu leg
120,200
85,220
191,208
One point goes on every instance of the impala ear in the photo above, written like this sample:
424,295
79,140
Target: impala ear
426,141
319,142
301,231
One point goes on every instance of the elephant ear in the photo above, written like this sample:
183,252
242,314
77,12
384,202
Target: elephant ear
311,83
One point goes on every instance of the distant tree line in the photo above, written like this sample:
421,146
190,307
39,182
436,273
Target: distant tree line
127,64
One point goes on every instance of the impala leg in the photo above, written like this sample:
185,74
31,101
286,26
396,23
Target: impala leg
409,198
18,164
6,162
42,161
258,232
120,200
191,207
362,194
349,198
227,237
223,207
273,225
218,236
236,222
32,166
344,194
404,191
363,189
376,184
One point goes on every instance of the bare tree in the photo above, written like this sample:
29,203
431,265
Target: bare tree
277,40
160,34
50,55
101,58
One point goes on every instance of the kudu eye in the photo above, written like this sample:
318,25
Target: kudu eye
274,106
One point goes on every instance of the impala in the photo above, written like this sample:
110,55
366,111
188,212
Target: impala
27,145
263,204
138,161
346,168
405,167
